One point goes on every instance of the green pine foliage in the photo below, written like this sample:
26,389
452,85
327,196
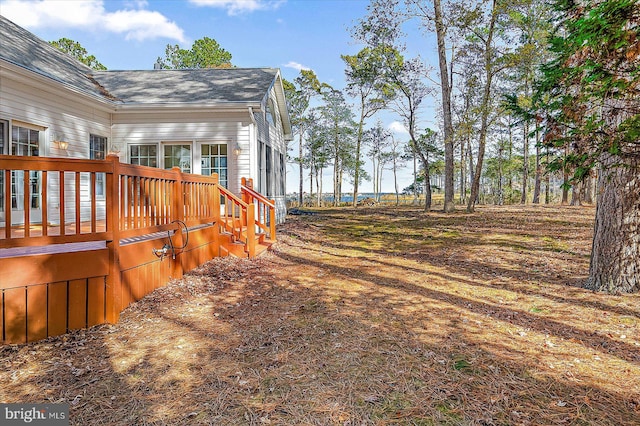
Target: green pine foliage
76,50
591,88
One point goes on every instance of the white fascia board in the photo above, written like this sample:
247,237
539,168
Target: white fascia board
284,112
47,84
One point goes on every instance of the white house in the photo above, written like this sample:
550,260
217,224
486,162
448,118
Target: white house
233,122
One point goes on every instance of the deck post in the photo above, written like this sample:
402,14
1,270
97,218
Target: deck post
216,214
178,214
114,279
272,222
251,230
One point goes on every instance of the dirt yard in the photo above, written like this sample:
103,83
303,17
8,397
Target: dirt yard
373,316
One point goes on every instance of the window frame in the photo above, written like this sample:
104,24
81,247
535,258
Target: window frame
100,177
199,158
163,147
130,155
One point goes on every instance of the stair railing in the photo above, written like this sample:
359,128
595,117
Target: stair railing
265,208
238,219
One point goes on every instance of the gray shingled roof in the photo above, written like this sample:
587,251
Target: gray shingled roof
24,49
188,86
204,86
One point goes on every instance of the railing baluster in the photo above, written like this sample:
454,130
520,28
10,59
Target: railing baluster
44,202
92,188
61,203
77,203
26,178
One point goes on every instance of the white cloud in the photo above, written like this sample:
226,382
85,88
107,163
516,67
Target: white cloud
237,7
398,127
135,23
296,66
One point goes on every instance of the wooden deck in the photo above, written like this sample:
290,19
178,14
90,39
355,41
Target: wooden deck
148,226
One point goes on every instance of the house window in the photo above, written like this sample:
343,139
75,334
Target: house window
144,155
214,160
271,118
269,171
261,169
283,175
25,141
97,151
177,155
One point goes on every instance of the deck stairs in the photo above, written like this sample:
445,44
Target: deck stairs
247,222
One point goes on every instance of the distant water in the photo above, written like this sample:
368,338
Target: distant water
349,198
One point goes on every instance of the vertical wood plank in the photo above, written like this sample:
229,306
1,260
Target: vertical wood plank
45,204
123,200
61,204
151,273
128,278
77,202
93,201
57,304
77,304
136,202
15,314
36,312
138,285
95,301
27,203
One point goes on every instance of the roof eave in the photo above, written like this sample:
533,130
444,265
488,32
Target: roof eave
149,108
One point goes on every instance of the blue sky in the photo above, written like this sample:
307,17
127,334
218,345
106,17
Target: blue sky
287,34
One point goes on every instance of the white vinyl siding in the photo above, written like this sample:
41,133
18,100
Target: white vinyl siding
232,129
67,115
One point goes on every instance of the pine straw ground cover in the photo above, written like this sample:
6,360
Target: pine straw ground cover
363,317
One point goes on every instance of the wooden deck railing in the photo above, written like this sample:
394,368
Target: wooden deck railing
120,214
66,200
265,209
91,196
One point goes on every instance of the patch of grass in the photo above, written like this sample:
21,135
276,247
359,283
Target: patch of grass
555,244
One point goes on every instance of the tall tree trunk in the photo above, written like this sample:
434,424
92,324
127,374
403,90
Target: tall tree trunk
319,186
449,206
547,182
395,179
576,194
589,188
415,178
525,163
427,187
615,254
311,174
375,178
500,190
565,179
463,188
340,184
486,100
356,173
470,155
335,183
301,183
536,189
